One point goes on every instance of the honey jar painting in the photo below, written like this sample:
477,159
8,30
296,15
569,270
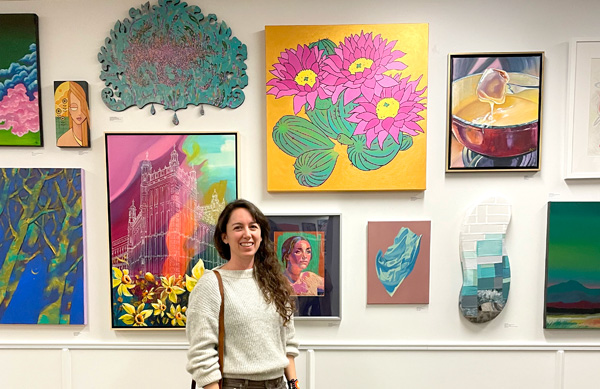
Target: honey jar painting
494,110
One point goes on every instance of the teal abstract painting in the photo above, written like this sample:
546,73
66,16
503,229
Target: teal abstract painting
173,55
41,246
572,294
399,259
398,254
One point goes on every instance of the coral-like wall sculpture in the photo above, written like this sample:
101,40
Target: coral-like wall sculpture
171,54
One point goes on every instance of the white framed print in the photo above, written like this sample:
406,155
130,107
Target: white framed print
583,126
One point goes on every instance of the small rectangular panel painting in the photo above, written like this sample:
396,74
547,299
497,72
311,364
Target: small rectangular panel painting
302,254
346,107
20,111
166,191
494,112
72,114
572,298
308,248
398,262
41,246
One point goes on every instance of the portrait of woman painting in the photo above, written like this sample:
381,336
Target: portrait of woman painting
72,114
302,258
308,249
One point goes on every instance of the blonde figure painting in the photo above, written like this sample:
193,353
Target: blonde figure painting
72,114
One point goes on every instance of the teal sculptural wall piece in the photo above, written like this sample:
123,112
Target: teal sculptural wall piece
171,54
485,266
41,246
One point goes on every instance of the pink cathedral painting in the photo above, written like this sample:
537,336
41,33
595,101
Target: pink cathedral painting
166,192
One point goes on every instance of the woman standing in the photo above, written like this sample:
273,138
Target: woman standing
259,329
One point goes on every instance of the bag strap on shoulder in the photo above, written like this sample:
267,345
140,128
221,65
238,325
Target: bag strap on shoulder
221,345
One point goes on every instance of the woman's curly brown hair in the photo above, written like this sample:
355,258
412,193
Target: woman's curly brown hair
275,287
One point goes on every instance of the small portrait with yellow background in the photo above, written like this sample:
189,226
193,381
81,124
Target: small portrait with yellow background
72,114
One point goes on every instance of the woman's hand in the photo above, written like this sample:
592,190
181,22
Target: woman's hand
290,370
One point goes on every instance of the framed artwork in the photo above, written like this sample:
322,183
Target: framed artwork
42,246
484,260
494,112
583,126
308,247
398,262
72,113
171,54
165,193
572,292
20,110
346,107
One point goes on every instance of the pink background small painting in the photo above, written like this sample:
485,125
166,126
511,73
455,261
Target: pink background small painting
414,289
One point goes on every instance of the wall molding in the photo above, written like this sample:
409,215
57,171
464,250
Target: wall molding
314,346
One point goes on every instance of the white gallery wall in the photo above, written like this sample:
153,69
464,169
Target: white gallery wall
419,346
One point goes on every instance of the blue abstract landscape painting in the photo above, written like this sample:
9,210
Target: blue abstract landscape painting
573,266
41,246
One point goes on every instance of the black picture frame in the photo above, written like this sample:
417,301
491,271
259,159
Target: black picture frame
328,305
474,144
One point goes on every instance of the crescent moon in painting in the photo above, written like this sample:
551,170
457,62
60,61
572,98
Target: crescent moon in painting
38,272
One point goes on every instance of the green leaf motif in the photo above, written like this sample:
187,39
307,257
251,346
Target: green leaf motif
314,167
295,135
332,119
406,143
372,159
324,44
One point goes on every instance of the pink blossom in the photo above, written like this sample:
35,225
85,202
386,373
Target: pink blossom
392,112
298,73
18,112
358,64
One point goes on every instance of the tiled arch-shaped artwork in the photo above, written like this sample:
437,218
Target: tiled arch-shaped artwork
484,260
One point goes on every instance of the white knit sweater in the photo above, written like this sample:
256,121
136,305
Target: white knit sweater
256,342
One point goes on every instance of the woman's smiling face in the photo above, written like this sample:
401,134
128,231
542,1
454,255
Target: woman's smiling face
243,234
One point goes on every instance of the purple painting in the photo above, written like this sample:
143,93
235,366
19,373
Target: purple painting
166,192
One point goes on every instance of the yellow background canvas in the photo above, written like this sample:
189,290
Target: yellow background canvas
407,170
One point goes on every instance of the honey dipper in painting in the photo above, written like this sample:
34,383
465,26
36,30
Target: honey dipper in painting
492,88
495,114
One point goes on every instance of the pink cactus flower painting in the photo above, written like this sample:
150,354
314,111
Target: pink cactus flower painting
299,73
394,111
346,107
358,66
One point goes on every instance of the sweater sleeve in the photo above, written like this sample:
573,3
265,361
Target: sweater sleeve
291,344
202,330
